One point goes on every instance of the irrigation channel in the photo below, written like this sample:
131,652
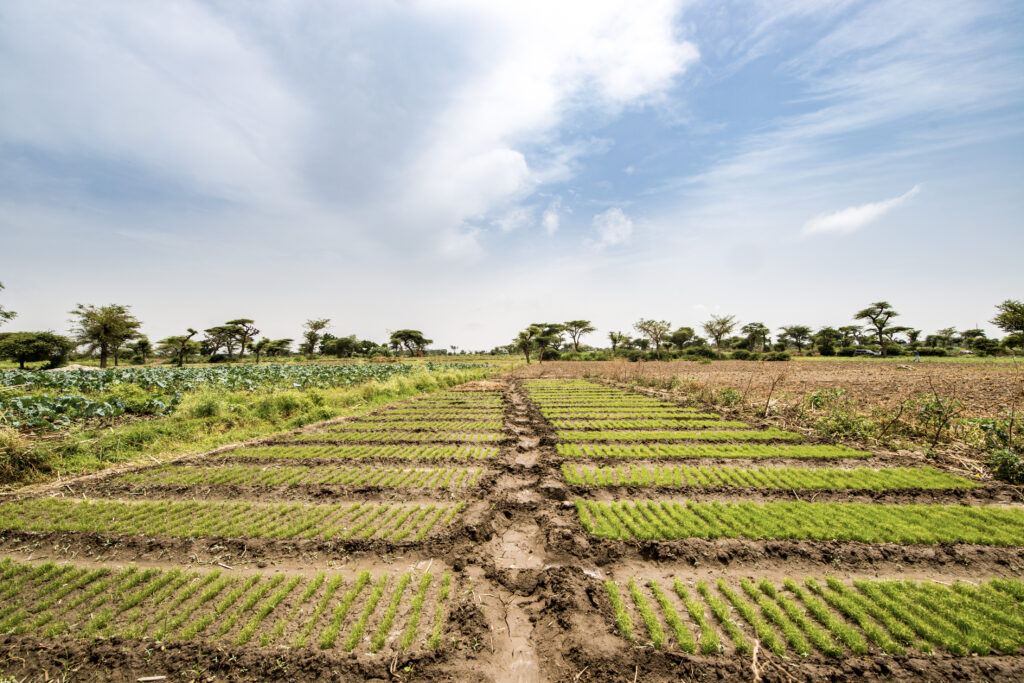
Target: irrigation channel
516,530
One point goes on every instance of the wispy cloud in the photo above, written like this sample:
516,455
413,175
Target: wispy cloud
611,227
853,218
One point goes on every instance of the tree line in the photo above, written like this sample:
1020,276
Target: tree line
112,332
876,332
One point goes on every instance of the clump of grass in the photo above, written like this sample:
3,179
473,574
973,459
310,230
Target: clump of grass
435,634
622,618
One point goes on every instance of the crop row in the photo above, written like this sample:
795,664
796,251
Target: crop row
405,452
710,450
40,411
386,521
639,423
328,611
438,414
370,425
769,434
288,475
388,436
233,377
624,414
831,617
766,477
868,523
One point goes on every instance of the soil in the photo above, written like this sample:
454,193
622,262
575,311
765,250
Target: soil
531,604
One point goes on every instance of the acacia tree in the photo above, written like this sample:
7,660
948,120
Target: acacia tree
525,341
850,335
143,347
259,348
221,336
718,328
616,338
311,335
653,330
757,335
178,345
413,341
550,337
5,315
878,314
244,331
104,329
681,337
576,329
35,346
1010,318
797,334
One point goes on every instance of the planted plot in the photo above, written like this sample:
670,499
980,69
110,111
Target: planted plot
649,423
387,521
706,451
411,425
625,414
868,523
288,475
432,452
830,618
766,477
679,435
340,612
395,435
427,414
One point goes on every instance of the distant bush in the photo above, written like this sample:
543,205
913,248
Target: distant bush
931,351
845,351
740,354
826,349
700,352
777,355
893,350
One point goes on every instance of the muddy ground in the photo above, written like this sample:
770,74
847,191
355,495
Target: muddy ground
535,609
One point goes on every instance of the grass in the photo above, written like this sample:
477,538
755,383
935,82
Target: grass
681,476
404,452
867,523
289,475
707,451
681,435
801,618
207,419
231,519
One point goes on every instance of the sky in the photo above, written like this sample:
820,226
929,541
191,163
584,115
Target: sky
468,168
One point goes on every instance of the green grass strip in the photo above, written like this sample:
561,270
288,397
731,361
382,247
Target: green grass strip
770,434
707,451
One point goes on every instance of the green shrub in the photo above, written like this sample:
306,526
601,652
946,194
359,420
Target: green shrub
1007,465
777,355
846,351
729,397
740,354
931,351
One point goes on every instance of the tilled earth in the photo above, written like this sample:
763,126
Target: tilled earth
527,598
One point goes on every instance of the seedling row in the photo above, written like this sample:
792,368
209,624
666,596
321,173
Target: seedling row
387,521
707,451
829,617
424,425
337,612
868,523
291,475
770,434
393,436
410,452
644,424
681,476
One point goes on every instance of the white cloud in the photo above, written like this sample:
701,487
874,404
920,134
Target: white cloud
613,227
854,218
516,218
550,220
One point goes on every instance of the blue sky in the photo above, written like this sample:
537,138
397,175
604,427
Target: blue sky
467,168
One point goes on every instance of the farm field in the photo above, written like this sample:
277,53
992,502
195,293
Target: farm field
537,529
